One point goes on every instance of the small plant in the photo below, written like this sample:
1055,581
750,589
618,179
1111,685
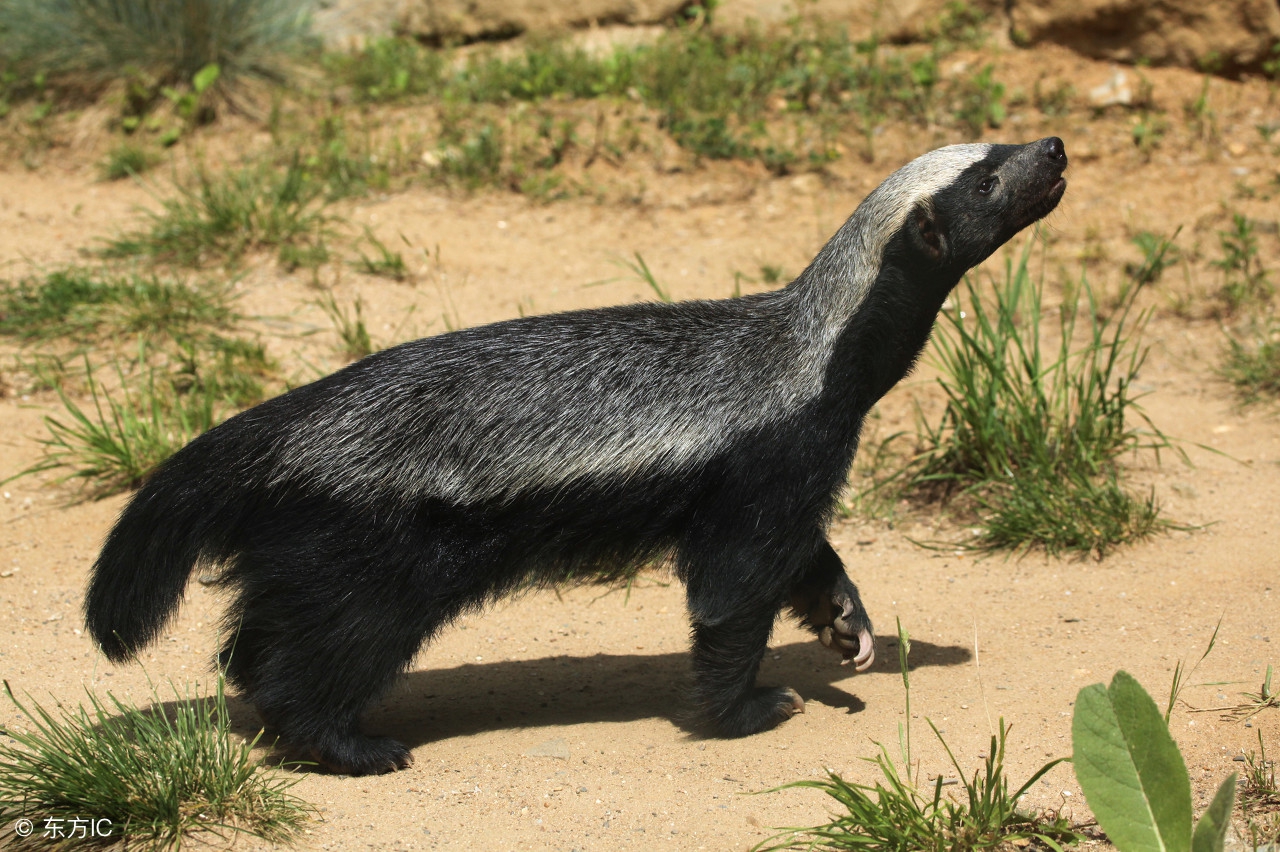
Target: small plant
780,99
1271,66
43,370
85,304
187,104
384,262
126,160
1201,116
231,370
641,270
1149,129
1180,674
310,255
1033,437
1056,102
117,443
1265,698
352,331
347,162
1246,281
1260,787
389,69
771,274
897,815
191,104
183,371
113,774
1133,776
221,218
473,159
1252,361
959,25
981,102
1158,253
1260,797
710,137
182,374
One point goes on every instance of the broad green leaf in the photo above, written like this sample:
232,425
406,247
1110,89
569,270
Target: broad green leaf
1130,769
1211,830
205,77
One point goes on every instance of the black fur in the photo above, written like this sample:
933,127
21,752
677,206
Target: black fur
356,516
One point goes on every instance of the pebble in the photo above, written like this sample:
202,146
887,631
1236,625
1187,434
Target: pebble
556,747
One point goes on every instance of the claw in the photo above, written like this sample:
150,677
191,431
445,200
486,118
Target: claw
866,651
836,615
846,609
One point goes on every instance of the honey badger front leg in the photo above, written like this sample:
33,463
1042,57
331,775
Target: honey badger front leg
827,602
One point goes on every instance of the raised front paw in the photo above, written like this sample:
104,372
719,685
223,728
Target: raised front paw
836,614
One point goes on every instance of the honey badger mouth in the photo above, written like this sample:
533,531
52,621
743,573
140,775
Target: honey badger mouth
1057,184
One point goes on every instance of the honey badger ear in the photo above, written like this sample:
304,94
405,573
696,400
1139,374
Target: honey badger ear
928,233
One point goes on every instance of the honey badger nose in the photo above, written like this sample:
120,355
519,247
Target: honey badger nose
1054,149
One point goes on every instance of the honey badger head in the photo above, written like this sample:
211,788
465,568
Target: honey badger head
1003,189
928,223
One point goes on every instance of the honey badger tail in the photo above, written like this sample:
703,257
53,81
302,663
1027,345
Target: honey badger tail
178,518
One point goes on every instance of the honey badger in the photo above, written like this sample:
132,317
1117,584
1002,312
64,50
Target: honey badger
358,515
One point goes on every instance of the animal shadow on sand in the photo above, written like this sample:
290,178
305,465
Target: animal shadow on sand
433,704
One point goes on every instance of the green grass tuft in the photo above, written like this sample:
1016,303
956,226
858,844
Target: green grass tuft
384,262
126,160
389,69
1260,797
147,777
1260,783
1158,253
221,218
115,443
1252,360
161,42
641,270
177,368
1033,432
897,814
87,304
1246,282
145,412
352,332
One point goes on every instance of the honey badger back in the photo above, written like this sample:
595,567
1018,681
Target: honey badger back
357,515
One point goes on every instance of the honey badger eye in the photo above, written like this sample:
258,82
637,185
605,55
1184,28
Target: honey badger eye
987,185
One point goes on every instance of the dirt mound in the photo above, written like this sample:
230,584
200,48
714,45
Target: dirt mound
1228,36
1231,37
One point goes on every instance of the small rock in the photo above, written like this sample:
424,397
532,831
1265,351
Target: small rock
1114,92
555,747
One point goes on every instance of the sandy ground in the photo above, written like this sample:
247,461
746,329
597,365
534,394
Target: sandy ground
559,721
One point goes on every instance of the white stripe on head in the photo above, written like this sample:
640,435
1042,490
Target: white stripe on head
846,268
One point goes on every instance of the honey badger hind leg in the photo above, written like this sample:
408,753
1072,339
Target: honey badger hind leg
311,677
323,626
